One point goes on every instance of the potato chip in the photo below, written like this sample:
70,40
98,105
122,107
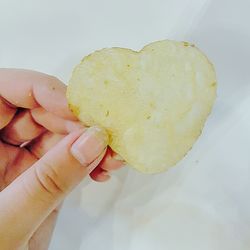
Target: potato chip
153,103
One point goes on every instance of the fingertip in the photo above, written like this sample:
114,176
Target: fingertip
101,177
110,162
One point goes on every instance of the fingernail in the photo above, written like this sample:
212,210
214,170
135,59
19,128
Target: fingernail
89,145
95,163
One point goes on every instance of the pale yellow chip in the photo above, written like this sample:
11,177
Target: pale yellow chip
153,103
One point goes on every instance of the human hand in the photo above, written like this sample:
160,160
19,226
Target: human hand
44,153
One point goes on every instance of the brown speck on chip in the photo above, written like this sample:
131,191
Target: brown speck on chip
53,88
148,117
186,44
213,84
152,104
74,110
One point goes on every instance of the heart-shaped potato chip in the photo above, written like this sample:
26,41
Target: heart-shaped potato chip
153,103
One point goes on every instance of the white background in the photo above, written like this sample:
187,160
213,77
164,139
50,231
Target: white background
204,202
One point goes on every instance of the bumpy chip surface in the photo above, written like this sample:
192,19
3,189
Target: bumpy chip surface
153,103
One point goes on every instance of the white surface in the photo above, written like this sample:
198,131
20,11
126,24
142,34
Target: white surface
203,203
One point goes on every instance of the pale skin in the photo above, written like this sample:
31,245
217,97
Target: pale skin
44,153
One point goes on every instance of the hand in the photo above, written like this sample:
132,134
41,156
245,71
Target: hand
44,153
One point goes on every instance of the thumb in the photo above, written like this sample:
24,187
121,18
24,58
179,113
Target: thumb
33,195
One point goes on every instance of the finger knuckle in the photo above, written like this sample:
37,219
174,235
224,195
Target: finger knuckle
49,180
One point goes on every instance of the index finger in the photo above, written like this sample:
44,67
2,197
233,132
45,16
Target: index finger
30,89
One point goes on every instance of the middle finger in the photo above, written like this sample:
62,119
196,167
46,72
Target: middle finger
21,129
